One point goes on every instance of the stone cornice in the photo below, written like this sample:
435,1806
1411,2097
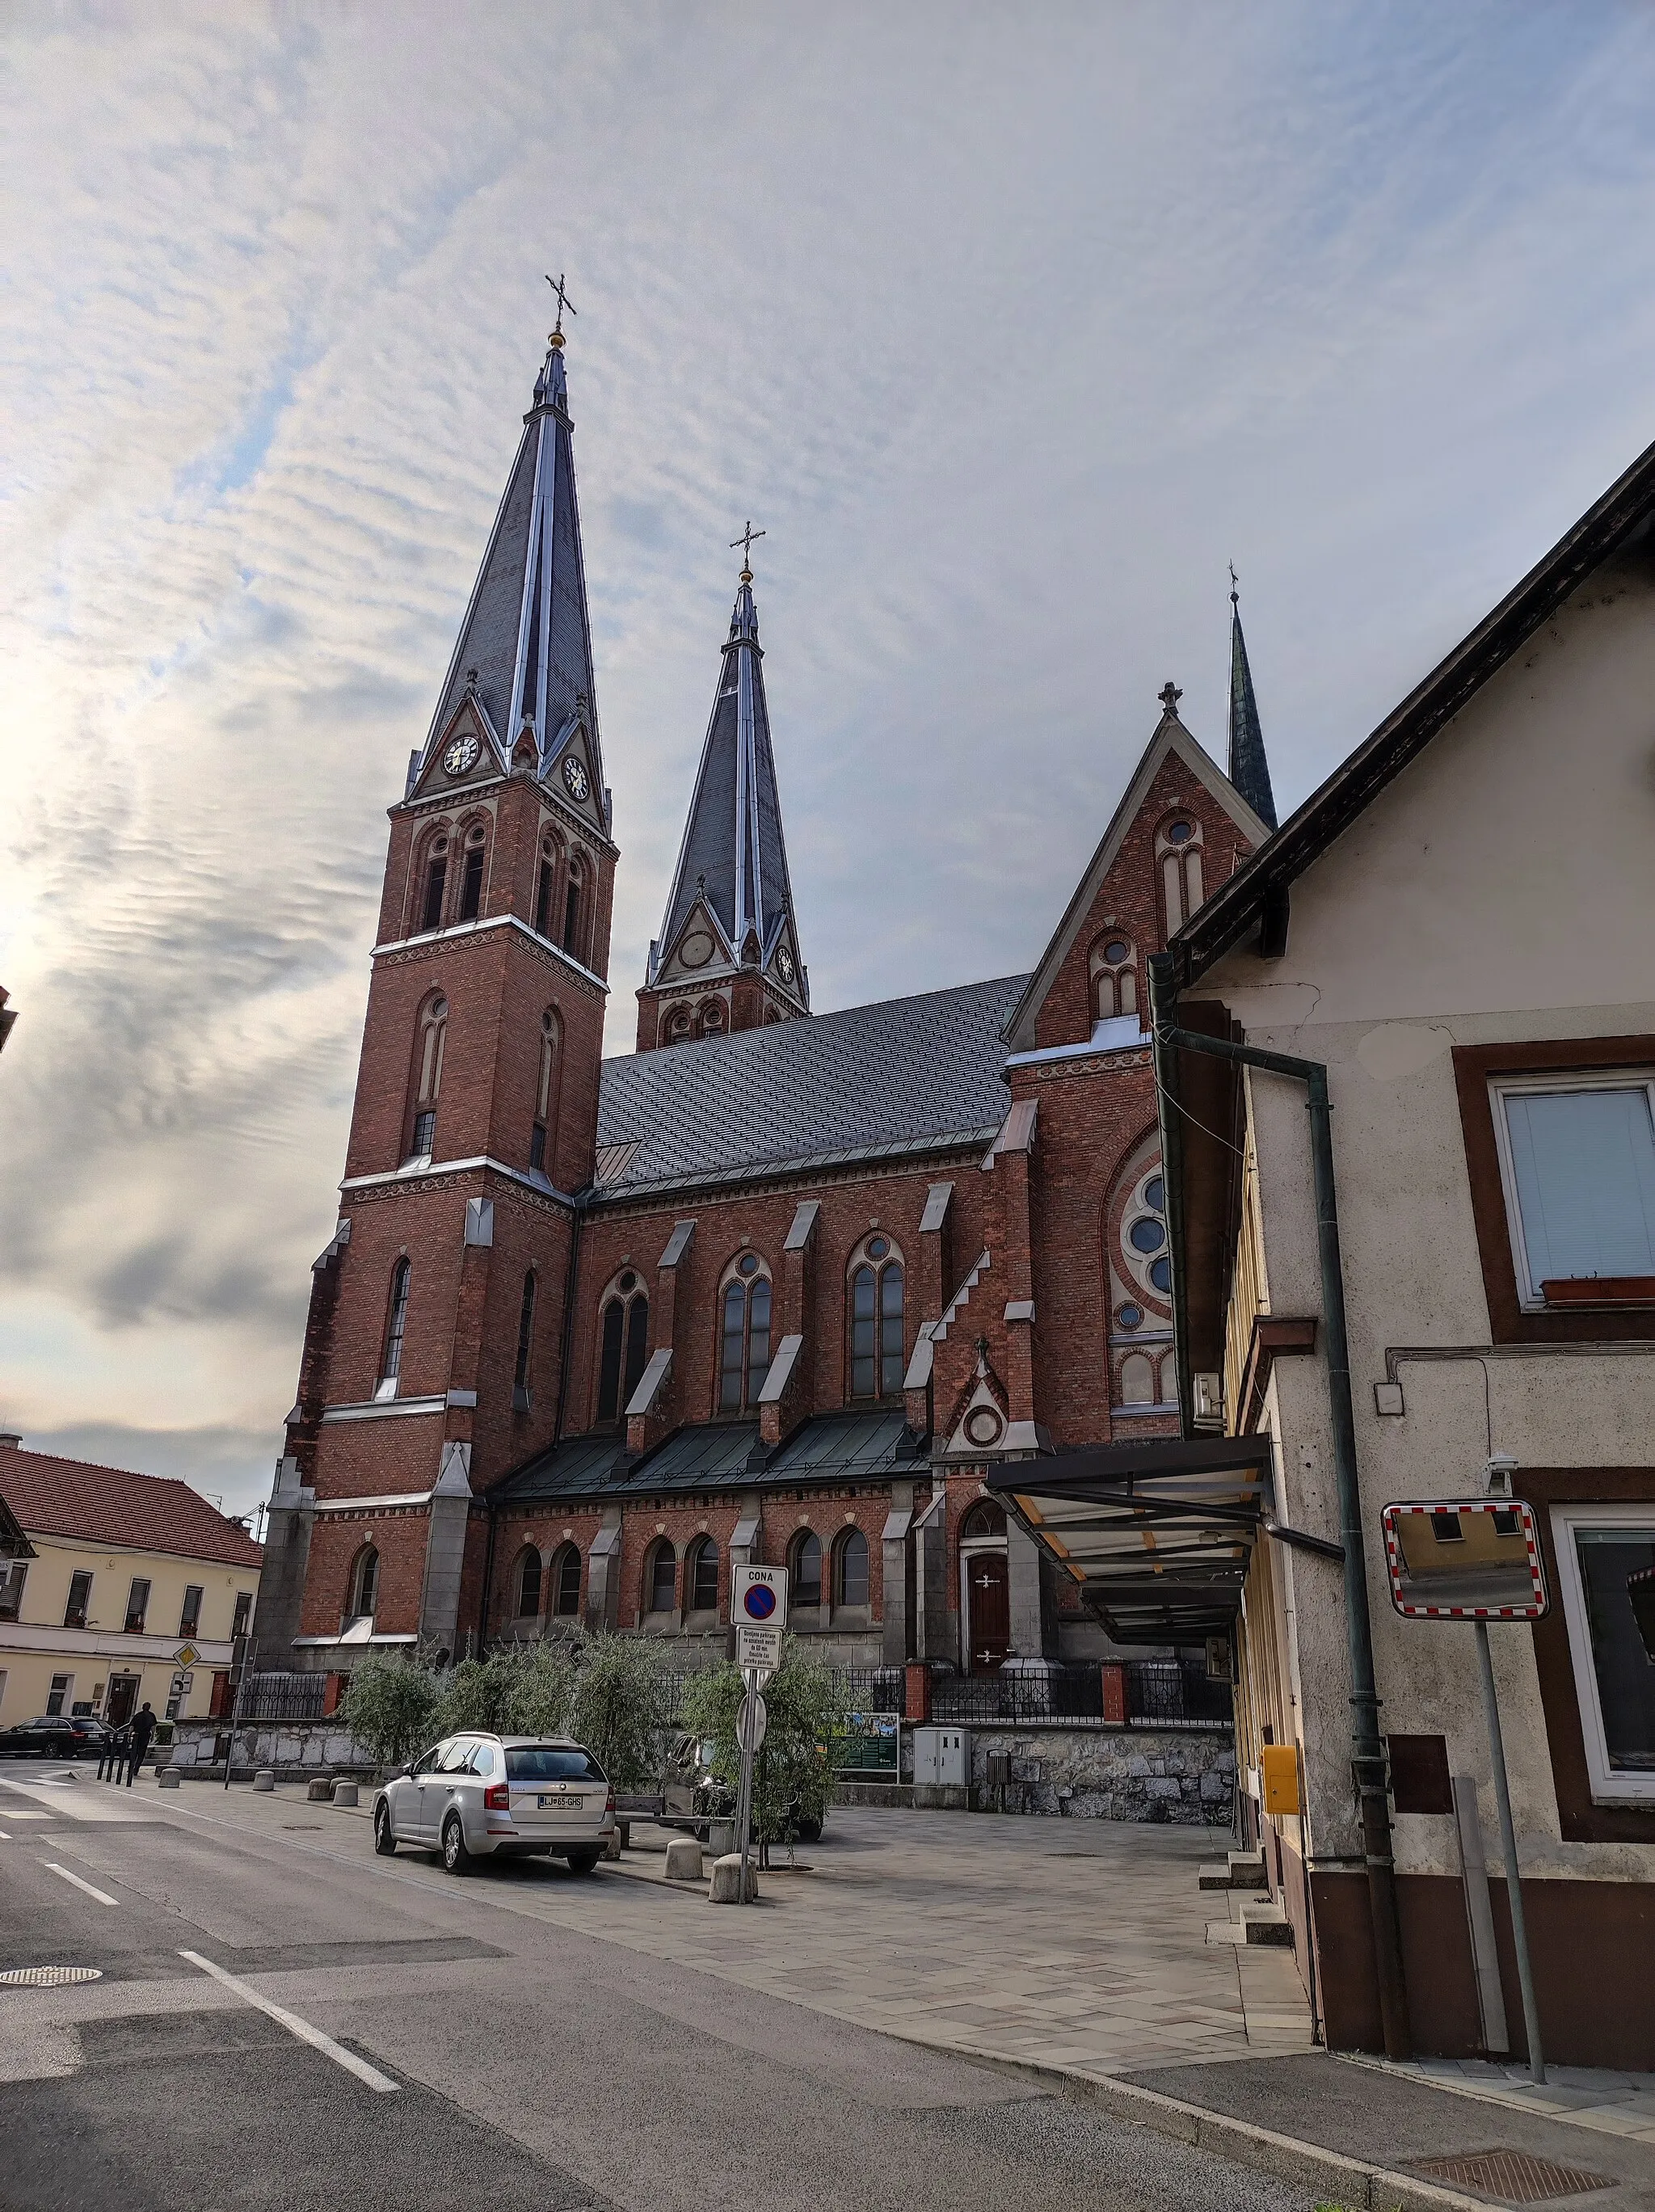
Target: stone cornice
397,950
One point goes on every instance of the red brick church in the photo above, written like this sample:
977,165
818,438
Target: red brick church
779,1285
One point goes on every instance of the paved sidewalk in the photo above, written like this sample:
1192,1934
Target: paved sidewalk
1585,2096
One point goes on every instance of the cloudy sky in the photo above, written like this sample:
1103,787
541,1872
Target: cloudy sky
1011,324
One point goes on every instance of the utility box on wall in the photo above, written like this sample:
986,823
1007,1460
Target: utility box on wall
942,1758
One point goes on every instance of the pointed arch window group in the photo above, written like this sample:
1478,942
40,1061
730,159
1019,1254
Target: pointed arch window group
1178,848
623,1346
744,1317
876,1293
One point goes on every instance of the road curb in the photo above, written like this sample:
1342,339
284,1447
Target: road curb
1351,2182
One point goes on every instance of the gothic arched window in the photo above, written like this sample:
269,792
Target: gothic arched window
566,1582
711,1017
804,1569
364,1586
520,1400
436,880
571,909
851,1569
744,1308
1178,843
525,1582
543,887
391,1363
477,855
623,1350
661,1578
701,1576
545,1091
1114,967
876,1290
676,1025
428,1077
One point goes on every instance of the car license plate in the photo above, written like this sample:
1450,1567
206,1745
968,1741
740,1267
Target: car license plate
561,1804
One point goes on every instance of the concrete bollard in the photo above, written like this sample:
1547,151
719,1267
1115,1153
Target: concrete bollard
613,1844
169,1778
265,1778
683,1859
720,1838
321,1789
727,1880
344,1793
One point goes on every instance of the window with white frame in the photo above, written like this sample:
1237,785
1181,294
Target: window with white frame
1606,1566
1576,1156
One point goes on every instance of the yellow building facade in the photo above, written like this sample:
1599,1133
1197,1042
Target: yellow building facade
116,1589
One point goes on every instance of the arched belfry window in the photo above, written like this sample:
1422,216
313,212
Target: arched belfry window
545,886
677,1025
545,1091
435,884
875,1308
520,1398
623,1345
525,1583
1113,965
710,1018
573,888
390,1362
1178,843
472,872
744,1315
429,1045
363,1591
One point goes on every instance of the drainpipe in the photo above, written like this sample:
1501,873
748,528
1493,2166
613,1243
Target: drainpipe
1367,1752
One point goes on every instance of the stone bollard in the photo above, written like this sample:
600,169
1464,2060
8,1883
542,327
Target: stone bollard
169,1778
720,1838
727,1880
265,1778
321,1789
683,1859
344,1793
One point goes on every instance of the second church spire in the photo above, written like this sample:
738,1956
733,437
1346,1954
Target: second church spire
727,957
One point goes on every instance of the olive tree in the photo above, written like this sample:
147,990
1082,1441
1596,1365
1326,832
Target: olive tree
622,1707
793,1774
391,1706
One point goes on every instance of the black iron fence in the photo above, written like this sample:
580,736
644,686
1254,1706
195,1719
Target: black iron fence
282,1698
1146,1693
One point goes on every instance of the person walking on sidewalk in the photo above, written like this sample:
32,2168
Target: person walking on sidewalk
143,1727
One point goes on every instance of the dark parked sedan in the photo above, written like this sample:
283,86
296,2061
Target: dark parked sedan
49,1737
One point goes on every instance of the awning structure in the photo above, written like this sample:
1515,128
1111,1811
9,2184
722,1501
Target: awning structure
1157,1533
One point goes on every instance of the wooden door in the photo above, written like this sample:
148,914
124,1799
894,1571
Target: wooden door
989,1583
121,1697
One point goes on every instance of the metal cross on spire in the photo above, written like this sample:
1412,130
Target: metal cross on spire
1235,595
1169,695
563,302
746,542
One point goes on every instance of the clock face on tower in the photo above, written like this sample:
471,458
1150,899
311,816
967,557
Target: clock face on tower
784,965
576,781
461,755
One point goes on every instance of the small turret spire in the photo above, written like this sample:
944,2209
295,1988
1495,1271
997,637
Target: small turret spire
1249,768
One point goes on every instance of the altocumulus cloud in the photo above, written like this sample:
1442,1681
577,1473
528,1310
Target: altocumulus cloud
1010,327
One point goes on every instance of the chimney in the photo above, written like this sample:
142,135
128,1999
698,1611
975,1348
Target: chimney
8,1438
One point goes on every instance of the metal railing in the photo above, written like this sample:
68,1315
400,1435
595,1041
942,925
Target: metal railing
1159,1693
282,1698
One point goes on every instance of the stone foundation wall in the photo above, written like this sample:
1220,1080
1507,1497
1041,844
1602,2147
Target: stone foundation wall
1186,1777
293,1748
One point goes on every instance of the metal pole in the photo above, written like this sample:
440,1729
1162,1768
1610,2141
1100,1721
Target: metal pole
248,1647
1508,1847
744,1798
1367,1752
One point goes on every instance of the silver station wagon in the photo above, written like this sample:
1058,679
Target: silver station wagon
475,1796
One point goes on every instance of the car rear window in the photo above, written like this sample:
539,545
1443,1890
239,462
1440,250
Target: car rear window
551,1763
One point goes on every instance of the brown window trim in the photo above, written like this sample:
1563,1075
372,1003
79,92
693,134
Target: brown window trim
1473,1065
1579,1820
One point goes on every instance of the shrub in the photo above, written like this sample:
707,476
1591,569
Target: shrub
622,1707
792,1775
391,1706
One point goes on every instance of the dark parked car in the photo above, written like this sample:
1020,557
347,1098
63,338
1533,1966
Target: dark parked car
52,1735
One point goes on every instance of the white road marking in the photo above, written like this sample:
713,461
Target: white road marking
294,2025
65,1799
5,1837
102,1896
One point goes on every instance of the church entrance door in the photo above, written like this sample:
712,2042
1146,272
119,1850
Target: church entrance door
989,1580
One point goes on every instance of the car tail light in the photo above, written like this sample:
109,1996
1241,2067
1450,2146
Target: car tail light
608,1802
497,1798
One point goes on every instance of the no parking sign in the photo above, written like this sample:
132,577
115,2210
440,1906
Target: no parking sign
759,1608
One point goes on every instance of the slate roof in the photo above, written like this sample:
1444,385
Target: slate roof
1249,767
534,554
733,852
716,1454
905,1074
74,1497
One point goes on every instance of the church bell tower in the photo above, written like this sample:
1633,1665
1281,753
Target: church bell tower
727,956
432,1354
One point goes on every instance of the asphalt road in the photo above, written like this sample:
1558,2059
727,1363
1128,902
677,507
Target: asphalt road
434,2045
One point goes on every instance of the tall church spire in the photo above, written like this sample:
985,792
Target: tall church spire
727,955
523,657
1249,770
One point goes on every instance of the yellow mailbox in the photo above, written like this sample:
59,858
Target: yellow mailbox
1278,1774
